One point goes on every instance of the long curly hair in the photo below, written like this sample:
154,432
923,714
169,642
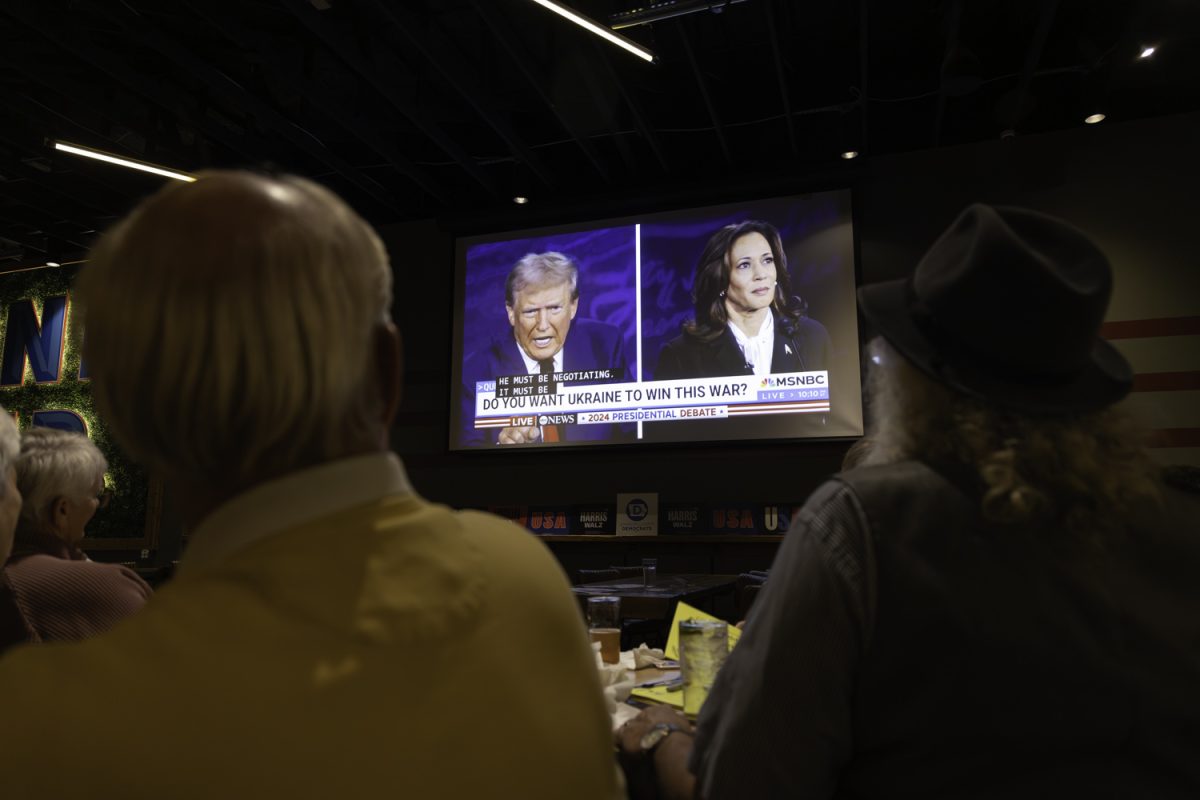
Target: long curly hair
712,279
1083,473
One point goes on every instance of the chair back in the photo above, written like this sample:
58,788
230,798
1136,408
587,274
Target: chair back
746,590
595,575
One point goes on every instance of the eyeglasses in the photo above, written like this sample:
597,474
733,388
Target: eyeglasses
103,497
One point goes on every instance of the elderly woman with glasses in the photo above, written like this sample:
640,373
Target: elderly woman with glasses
13,627
58,591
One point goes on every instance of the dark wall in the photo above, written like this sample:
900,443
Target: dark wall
1129,185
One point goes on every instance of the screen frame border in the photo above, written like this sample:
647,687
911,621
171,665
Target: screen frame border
466,230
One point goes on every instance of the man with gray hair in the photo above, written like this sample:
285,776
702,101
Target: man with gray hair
328,632
541,299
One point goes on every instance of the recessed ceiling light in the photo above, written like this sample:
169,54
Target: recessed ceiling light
1093,119
520,200
1147,52
849,154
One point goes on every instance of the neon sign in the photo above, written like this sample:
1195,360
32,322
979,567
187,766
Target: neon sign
38,345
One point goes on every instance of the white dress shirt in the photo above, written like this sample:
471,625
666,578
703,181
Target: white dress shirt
758,349
534,367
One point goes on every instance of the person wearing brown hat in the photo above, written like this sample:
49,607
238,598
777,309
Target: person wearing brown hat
1001,601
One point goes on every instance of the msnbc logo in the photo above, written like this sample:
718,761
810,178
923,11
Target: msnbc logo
800,379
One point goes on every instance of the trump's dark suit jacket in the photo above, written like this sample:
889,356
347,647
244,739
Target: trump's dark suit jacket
590,345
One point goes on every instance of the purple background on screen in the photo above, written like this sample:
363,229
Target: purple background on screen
606,282
671,247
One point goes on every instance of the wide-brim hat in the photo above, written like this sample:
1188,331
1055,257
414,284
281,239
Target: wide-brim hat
1006,306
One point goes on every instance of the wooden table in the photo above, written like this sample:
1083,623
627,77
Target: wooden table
656,601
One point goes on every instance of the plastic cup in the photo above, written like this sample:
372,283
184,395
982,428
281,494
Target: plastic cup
703,646
649,571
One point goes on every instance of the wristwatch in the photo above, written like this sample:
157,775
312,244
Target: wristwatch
655,736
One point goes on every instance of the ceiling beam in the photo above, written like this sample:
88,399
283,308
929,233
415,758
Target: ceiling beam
953,26
221,85
603,103
1032,56
718,128
67,184
349,119
507,38
27,244
454,75
68,188
47,220
32,16
232,93
864,99
779,75
348,52
84,114
600,54
23,192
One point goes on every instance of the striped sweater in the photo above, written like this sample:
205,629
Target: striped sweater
58,594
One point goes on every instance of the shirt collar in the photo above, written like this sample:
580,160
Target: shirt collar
291,501
533,366
757,349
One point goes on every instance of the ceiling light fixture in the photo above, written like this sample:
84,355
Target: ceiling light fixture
520,200
849,154
666,9
48,264
1093,119
598,29
142,166
1147,52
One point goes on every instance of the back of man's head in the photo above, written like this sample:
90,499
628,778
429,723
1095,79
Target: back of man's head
232,329
990,358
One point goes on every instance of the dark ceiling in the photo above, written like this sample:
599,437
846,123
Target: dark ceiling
419,108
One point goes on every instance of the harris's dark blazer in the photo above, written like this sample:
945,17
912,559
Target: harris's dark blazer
806,348
590,345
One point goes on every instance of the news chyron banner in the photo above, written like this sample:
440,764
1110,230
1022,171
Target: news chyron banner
549,399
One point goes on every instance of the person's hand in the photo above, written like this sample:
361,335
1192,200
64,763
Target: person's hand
741,625
629,736
654,778
520,435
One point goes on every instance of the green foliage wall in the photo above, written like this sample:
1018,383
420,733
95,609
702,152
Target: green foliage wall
125,517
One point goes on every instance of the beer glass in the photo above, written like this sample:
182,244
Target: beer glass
604,626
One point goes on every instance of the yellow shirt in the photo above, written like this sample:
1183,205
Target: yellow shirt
392,649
